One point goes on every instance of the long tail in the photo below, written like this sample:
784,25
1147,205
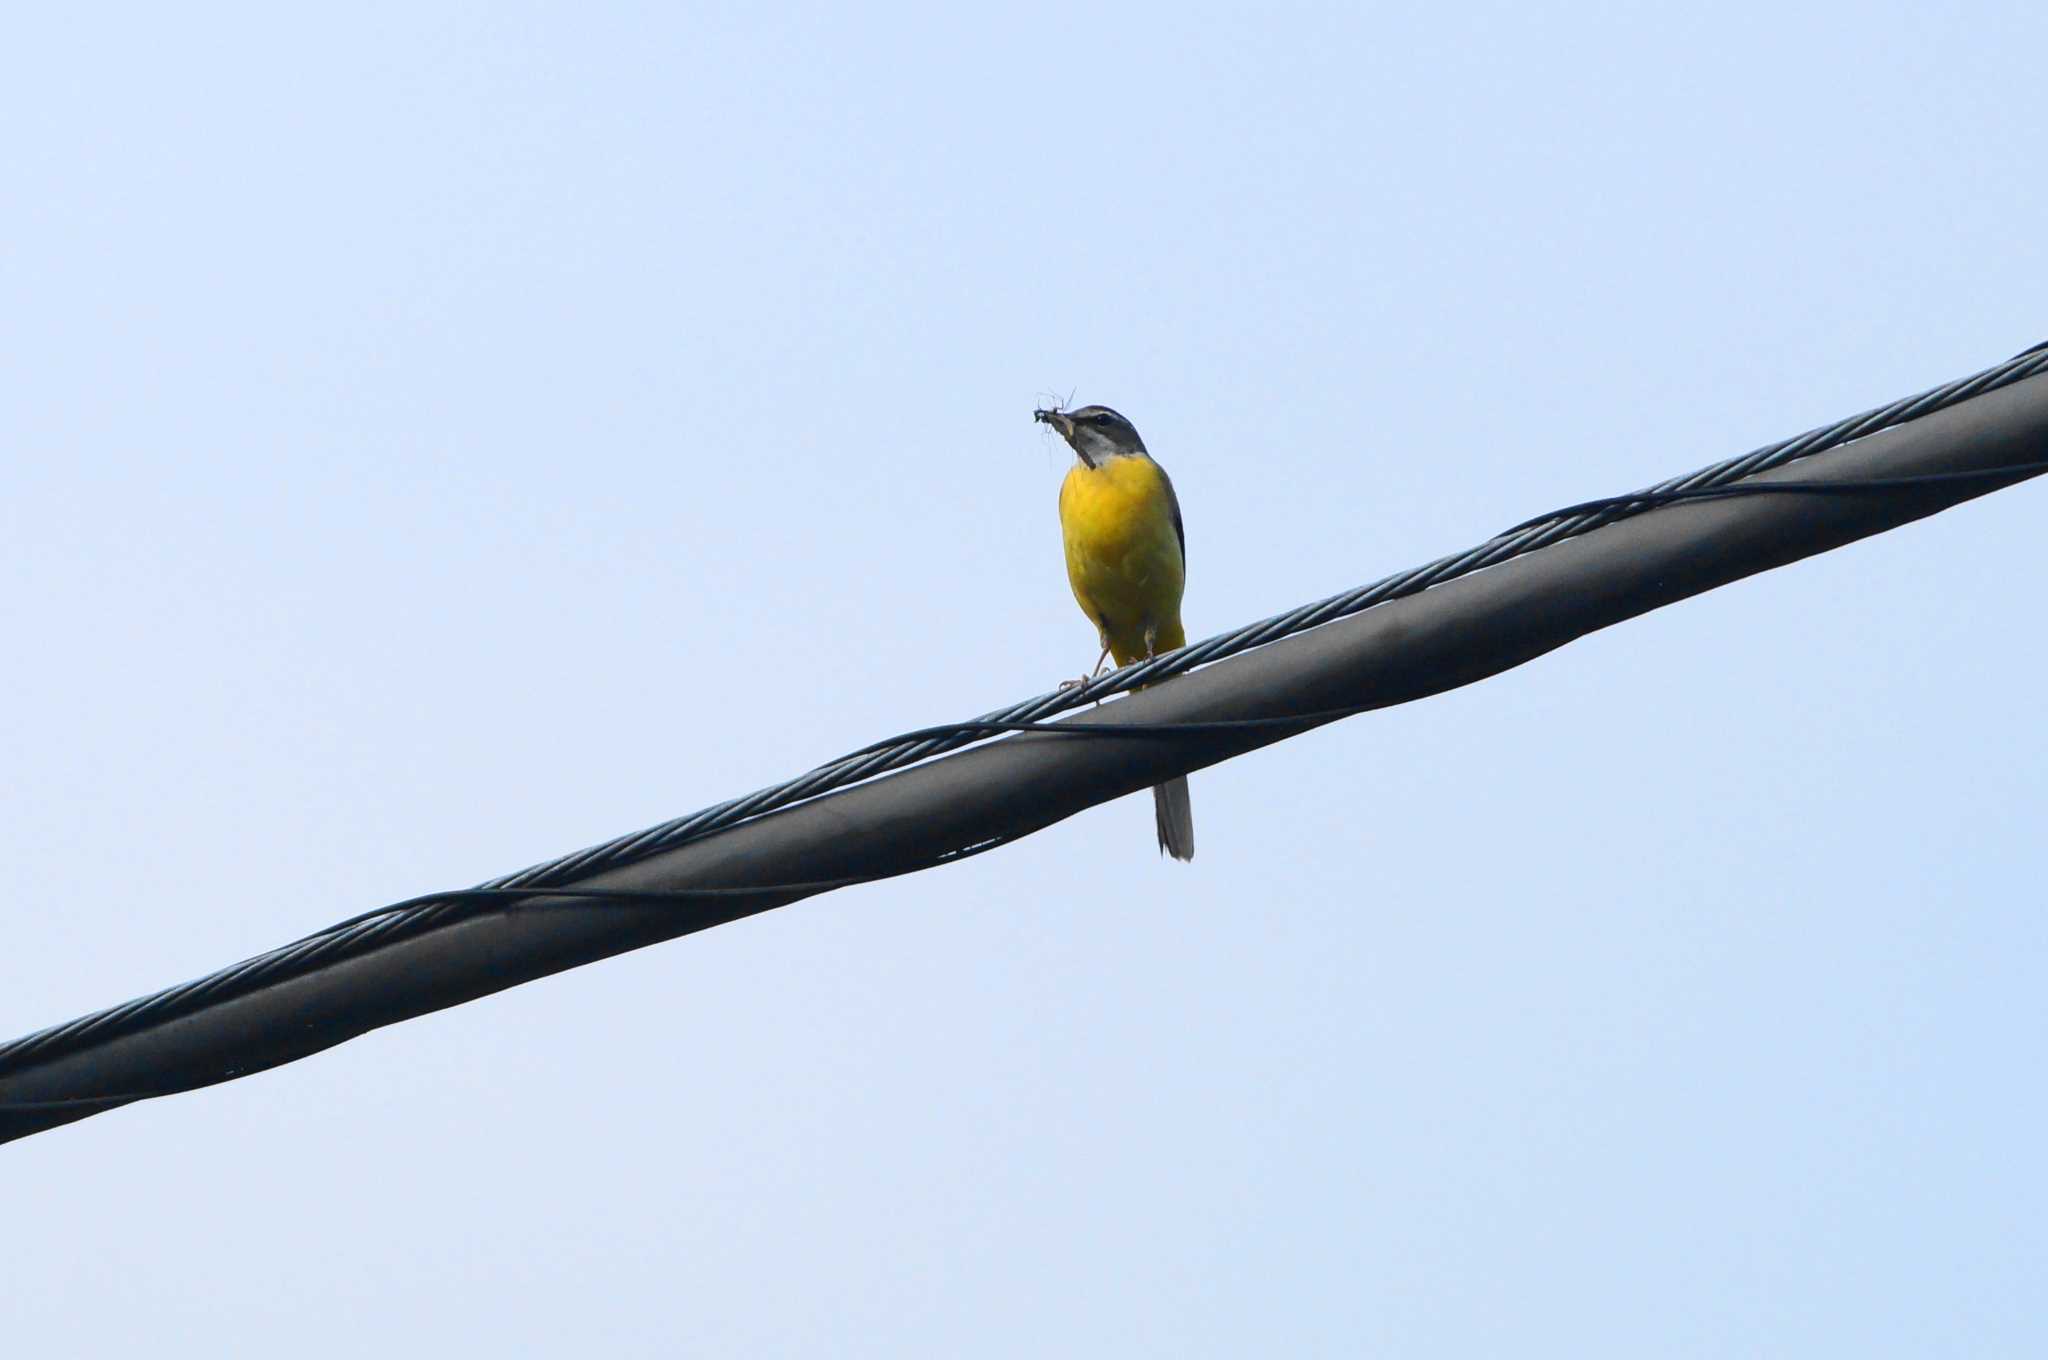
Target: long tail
1176,818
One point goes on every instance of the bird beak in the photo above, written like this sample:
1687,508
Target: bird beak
1057,419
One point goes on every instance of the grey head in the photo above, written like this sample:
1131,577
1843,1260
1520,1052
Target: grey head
1097,433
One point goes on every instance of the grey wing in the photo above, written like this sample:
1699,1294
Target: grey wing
1173,504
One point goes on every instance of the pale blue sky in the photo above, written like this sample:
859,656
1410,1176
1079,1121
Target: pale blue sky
444,436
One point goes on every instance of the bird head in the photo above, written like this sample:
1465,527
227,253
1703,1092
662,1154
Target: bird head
1097,433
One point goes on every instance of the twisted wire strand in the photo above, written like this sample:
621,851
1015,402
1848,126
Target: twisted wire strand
360,935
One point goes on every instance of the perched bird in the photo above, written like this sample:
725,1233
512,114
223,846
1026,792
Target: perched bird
1127,562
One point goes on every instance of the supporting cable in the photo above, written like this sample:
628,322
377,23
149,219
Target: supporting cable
316,964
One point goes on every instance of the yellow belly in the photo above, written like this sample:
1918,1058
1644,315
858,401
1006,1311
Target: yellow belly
1123,556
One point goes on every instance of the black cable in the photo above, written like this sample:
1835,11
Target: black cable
395,922
1648,500
617,897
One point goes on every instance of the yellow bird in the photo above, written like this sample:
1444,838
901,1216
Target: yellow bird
1127,563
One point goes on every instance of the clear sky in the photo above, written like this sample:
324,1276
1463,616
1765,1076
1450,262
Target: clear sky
442,436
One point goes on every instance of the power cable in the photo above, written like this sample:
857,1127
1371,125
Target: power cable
385,927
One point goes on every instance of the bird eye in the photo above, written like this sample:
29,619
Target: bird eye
1100,420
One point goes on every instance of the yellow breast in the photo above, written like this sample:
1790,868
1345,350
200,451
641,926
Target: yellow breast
1123,555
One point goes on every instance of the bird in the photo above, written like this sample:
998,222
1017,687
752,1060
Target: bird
1127,562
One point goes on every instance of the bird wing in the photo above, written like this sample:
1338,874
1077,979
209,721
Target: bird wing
1173,504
